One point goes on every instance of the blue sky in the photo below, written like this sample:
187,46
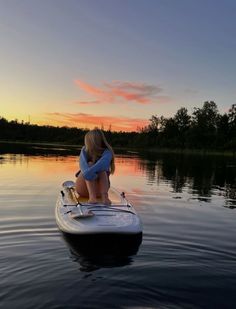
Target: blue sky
114,62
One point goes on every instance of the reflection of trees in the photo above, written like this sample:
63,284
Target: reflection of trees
201,174
153,170
230,195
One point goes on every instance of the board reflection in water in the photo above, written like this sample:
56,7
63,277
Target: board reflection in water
102,251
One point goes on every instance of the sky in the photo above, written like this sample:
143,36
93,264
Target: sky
114,63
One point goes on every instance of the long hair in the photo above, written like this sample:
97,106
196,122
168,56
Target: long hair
95,144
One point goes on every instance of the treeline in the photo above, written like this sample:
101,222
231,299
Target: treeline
204,129
25,132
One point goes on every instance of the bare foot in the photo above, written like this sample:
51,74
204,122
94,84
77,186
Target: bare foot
105,199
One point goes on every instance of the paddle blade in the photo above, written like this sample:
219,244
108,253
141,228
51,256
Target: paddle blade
68,184
83,215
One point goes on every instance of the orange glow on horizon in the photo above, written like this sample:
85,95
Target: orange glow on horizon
114,124
89,121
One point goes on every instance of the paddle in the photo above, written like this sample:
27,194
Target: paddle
70,185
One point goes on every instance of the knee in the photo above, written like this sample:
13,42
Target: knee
103,175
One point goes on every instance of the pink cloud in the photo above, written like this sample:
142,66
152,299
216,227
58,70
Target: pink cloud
83,120
136,92
95,102
139,92
94,91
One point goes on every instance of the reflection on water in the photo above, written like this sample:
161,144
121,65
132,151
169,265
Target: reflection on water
203,176
95,262
185,259
98,251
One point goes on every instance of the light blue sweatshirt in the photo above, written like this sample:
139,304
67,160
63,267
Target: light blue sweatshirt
103,164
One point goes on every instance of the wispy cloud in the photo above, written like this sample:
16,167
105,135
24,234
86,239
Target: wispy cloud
92,102
138,92
98,93
115,91
83,120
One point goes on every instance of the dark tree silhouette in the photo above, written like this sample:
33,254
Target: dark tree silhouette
205,129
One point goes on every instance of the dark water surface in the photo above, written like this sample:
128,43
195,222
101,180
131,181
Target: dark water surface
187,258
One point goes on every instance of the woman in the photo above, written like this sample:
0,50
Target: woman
96,164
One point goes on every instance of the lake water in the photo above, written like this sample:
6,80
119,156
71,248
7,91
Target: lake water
187,258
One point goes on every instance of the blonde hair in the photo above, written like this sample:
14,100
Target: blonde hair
95,144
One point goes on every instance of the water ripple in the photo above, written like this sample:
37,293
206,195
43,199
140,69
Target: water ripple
186,260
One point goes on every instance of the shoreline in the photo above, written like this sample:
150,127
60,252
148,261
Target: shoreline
134,150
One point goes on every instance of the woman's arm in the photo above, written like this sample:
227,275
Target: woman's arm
83,160
103,164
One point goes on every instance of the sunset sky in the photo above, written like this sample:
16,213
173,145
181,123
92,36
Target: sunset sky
114,63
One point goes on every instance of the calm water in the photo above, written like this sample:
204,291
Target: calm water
187,258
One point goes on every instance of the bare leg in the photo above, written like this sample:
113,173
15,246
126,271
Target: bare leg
87,188
92,190
104,185
81,186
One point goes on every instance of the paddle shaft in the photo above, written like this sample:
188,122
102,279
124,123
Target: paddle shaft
76,198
